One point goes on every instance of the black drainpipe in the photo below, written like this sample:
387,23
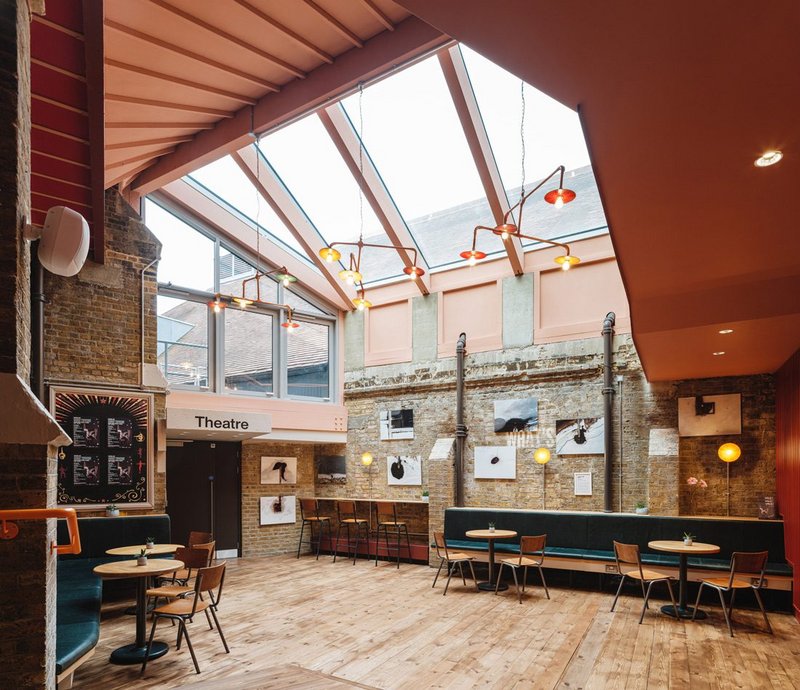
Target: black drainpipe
461,428
608,402
37,323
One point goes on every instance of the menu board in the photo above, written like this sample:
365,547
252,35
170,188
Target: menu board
109,460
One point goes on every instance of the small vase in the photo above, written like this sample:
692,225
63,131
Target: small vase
641,511
491,529
425,499
149,545
141,560
688,542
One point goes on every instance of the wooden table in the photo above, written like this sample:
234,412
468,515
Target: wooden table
157,550
117,570
490,536
684,551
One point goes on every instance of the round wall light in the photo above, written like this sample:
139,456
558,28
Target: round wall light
542,455
366,459
729,452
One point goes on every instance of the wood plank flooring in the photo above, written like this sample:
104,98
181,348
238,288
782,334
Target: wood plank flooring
309,624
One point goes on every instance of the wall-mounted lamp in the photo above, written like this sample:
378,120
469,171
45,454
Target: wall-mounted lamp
542,457
366,461
729,453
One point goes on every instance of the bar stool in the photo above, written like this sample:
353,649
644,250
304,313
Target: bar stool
347,514
386,514
309,513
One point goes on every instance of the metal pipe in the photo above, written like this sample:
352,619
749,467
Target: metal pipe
461,428
608,403
37,323
144,270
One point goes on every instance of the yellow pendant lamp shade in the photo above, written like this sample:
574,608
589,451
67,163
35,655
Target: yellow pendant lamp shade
729,452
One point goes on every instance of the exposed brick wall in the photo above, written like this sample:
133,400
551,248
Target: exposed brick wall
93,319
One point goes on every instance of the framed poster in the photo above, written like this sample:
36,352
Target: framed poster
396,425
278,470
495,462
710,415
583,483
404,470
110,459
277,510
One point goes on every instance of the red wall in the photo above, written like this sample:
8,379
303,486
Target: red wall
787,459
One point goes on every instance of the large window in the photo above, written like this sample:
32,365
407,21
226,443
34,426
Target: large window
182,347
308,361
248,351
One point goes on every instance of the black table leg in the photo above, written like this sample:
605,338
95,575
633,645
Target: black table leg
134,653
490,585
684,611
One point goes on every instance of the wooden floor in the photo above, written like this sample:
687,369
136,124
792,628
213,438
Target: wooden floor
309,624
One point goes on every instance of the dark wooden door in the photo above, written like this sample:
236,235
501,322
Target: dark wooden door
204,491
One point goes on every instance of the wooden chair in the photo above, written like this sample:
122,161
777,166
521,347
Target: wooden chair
193,560
386,514
531,555
208,581
309,513
347,513
452,558
629,554
199,538
750,566
183,575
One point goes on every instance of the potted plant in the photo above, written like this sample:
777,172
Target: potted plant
142,559
688,539
491,527
641,508
149,543
425,496
112,510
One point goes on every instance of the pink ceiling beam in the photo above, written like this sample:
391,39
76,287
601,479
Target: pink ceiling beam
283,203
410,39
345,138
94,49
195,204
455,74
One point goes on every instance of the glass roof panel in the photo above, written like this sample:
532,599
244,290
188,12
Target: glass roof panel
413,134
322,185
553,136
227,183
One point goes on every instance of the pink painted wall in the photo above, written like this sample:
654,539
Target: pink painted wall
387,333
476,310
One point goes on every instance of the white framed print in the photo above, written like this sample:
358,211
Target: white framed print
277,510
495,462
583,483
404,470
278,470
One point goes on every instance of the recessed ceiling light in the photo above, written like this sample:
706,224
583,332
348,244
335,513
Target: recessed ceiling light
768,158
725,331
717,354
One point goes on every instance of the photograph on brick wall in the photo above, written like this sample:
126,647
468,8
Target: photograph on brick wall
277,510
331,469
521,414
581,436
495,462
396,425
710,415
278,470
404,470
110,458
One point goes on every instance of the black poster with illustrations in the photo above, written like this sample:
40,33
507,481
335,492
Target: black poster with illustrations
110,458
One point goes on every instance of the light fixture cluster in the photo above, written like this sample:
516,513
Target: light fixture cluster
508,228
243,301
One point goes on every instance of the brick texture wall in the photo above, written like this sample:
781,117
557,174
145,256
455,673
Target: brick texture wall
93,320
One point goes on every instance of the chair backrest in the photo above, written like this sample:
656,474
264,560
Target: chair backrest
441,545
750,563
627,553
199,538
208,549
386,511
210,579
532,546
192,558
309,507
346,510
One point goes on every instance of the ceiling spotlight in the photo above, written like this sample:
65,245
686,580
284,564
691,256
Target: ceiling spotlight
768,158
473,256
350,276
725,331
217,304
330,254
559,197
361,302
413,272
286,278
243,302
717,354
566,262
505,230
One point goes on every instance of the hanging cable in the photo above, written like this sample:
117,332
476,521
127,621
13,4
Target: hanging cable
361,159
522,135
258,193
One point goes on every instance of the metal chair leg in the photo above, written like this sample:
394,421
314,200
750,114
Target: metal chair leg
725,611
524,577
499,573
441,563
696,601
461,570
336,543
149,645
449,575
672,596
219,630
189,644
474,579
544,582
646,597
516,582
408,545
619,589
300,543
358,536
763,610
208,618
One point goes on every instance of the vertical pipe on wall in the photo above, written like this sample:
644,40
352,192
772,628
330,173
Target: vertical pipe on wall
461,428
37,323
608,402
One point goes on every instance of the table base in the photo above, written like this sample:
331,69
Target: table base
687,612
131,654
489,587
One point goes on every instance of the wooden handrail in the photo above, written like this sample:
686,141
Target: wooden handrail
9,529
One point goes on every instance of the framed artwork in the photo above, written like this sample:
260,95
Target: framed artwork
331,469
278,470
710,415
277,510
397,425
110,459
495,462
582,436
404,470
583,483
516,415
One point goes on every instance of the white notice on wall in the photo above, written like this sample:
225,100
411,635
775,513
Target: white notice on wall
441,449
663,442
583,483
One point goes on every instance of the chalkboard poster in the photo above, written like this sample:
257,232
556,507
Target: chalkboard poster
109,460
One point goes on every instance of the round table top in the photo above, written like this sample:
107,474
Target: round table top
679,547
156,566
157,550
495,534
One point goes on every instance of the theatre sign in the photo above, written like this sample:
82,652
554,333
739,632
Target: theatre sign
184,423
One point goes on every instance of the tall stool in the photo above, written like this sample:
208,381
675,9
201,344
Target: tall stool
387,519
309,513
347,513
